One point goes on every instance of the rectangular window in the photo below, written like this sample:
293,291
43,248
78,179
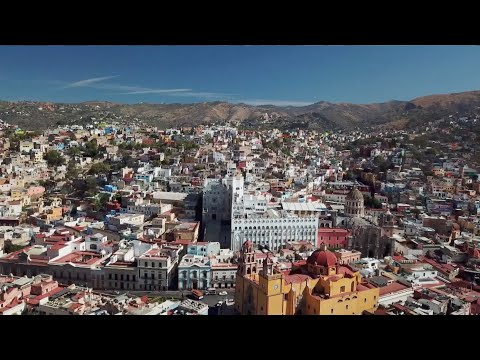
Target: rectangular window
342,289
153,264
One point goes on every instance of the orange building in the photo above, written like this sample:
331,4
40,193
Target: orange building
319,287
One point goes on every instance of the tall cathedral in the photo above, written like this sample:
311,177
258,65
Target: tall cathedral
321,286
371,239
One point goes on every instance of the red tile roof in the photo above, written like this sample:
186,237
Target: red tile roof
391,288
297,278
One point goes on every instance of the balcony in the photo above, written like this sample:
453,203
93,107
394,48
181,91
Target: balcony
221,281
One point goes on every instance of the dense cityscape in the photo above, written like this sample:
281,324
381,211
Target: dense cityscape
118,217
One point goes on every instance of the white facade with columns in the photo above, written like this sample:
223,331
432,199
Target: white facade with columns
273,231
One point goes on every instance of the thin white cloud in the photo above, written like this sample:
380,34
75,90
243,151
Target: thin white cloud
154,91
258,102
89,82
96,83
206,95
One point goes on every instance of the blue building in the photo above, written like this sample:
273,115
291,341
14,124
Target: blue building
110,188
144,177
194,272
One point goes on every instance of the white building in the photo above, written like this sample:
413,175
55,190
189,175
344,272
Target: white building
218,157
223,275
148,209
422,275
98,243
156,267
127,219
273,229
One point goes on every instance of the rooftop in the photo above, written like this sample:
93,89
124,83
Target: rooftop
155,254
297,206
391,288
80,258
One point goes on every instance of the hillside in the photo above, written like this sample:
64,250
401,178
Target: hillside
321,115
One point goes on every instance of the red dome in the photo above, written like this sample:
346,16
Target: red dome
322,258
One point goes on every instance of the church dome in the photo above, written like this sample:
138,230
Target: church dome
247,243
322,258
355,195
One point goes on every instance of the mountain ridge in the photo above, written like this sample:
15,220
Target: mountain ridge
321,114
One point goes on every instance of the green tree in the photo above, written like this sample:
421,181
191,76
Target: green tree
156,163
9,247
72,171
91,185
101,200
47,184
370,202
54,158
99,168
91,149
382,164
74,151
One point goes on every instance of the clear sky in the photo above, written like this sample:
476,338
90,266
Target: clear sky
279,75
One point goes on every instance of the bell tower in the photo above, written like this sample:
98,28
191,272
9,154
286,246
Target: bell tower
387,224
245,295
246,262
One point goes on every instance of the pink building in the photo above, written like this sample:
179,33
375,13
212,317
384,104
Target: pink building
35,190
333,237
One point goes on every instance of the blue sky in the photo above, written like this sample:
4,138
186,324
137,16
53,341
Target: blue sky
279,75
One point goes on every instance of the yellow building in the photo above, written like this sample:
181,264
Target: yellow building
16,194
318,287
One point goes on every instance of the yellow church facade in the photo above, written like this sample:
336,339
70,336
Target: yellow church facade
320,287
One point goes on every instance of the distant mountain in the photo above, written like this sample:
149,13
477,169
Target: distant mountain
321,115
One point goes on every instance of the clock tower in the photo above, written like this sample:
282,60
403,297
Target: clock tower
270,295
